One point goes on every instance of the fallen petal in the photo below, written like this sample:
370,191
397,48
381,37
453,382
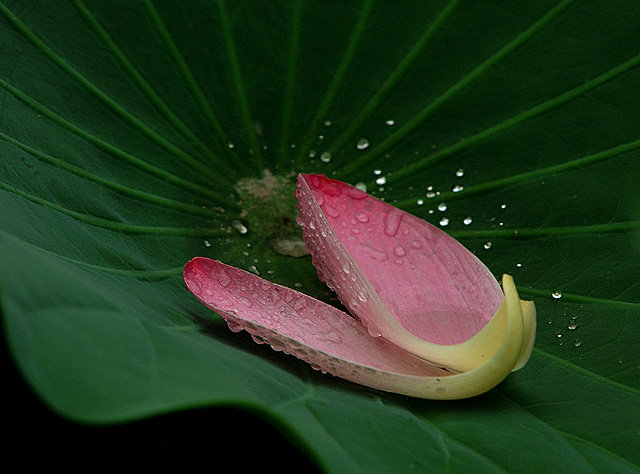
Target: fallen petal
403,277
332,341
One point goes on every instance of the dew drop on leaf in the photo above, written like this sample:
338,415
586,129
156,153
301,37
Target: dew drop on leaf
556,295
487,245
467,220
442,207
390,122
460,173
325,157
362,144
361,186
254,269
239,226
444,221
381,180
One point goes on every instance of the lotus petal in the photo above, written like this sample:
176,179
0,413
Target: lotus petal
332,341
403,277
430,320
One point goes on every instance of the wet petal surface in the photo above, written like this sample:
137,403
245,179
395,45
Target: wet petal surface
433,286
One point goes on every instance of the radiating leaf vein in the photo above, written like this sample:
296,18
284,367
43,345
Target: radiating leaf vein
421,116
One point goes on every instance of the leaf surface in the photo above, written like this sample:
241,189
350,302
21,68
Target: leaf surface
141,140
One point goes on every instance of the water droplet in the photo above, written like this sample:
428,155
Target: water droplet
300,304
361,186
556,295
231,145
224,279
487,245
444,221
431,194
207,243
377,172
362,217
239,226
325,157
442,207
467,220
362,144
327,123
254,269
503,206
399,251
457,188
245,301
234,326
577,343
519,265
460,173
381,180
416,244
392,222
573,325
390,122
312,153
420,202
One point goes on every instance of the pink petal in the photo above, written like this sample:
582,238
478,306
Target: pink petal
379,258
325,337
332,341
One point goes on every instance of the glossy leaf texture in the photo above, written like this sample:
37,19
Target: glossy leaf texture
158,131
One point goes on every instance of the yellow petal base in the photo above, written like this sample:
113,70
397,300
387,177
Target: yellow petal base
516,318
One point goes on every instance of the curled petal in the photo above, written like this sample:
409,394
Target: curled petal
430,320
332,341
403,277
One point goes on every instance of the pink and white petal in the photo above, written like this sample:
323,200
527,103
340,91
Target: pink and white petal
333,342
403,277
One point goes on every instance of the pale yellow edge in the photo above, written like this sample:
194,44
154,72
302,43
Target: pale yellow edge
485,376
457,358
529,324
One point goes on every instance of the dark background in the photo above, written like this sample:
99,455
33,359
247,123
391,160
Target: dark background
222,439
